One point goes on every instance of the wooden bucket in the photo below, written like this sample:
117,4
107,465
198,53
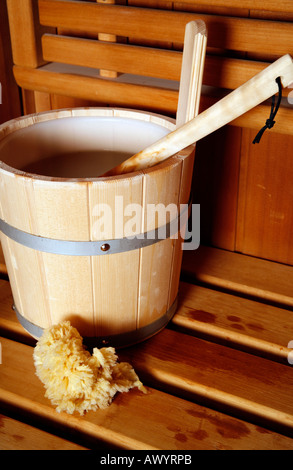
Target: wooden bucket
83,248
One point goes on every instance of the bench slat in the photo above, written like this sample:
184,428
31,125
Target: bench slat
164,25
175,423
241,323
217,375
220,72
240,274
244,324
132,92
140,95
119,57
16,435
204,373
284,6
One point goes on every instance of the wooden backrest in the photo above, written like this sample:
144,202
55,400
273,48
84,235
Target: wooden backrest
143,71
72,53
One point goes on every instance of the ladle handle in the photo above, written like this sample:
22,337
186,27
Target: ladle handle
256,90
193,58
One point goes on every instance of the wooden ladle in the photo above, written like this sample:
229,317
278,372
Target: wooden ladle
193,58
256,90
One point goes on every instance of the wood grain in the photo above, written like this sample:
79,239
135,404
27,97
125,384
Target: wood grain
265,217
124,58
203,370
25,12
10,101
216,375
169,25
221,72
168,429
242,274
124,94
16,435
107,38
269,5
244,324
193,60
225,318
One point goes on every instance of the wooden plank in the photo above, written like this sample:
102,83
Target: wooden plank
108,38
134,95
266,198
9,324
256,119
59,101
224,378
243,324
275,15
121,57
216,316
162,185
269,5
116,93
244,34
241,274
261,329
230,73
115,287
221,72
16,435
35,101
25,31
187,426
10,106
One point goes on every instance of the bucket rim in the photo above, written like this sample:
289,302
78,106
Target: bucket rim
32,119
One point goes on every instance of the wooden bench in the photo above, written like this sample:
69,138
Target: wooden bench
220,375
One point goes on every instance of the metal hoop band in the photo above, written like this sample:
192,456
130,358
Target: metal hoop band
118,340
94,248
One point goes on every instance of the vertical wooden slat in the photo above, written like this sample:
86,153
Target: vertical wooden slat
25,33
107,37
10,106
187,156
26,47
161,186
115,277
156,4
66,279
265,222
25,275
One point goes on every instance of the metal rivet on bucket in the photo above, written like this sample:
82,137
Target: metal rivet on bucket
105,247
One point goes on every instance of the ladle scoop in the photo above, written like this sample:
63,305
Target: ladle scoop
256,90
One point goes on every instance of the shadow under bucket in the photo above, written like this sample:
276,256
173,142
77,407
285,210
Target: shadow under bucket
102,252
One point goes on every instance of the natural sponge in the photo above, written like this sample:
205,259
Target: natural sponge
74,379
